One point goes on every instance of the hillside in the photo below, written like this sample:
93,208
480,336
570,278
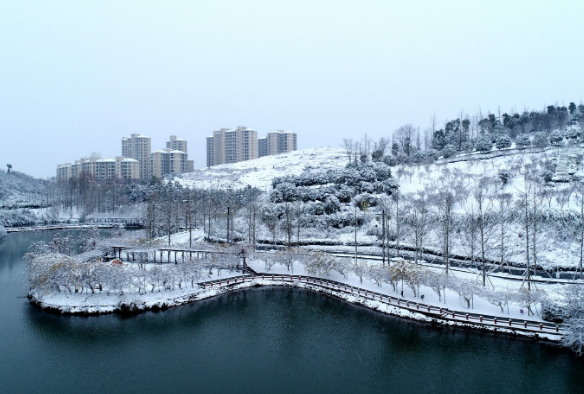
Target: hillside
504,181
260,172
21,190
21,198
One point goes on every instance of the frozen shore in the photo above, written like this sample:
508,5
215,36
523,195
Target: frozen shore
94,304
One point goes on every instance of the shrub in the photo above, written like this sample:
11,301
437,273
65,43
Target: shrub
448,151
522,141
540,140
503,141
483,144
556,137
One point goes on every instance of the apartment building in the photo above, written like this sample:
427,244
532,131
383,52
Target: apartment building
101,169
136,163
181,145
262,146
232,146
177,144
138,147
210,151
280,141
168,161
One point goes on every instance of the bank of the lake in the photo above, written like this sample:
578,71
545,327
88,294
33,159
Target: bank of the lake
258,340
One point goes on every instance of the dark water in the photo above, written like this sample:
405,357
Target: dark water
258,341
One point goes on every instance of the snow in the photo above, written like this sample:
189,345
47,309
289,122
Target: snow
557,248
260,172
100,302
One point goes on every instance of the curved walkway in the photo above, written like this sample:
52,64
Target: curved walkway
330,286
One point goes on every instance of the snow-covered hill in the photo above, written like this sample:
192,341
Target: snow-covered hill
555,205
260,172
21,190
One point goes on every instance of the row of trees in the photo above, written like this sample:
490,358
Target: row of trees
512,216
467,133
168,207
51,272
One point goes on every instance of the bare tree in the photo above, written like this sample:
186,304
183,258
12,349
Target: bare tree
349,146
529,202
403,136
443,199
485,221
379,149
419,222
418,140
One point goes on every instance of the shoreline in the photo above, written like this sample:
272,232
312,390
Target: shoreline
126,305
51,227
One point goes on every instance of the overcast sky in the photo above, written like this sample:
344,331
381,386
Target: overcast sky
77,76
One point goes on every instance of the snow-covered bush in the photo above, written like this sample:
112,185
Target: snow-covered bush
382,171
389,161
556,137
431,155
314,208
2,232
467,146
573,316
323,196
483,144
367,174
540,140
503,141
344,193
448,151
331,205
547,175
365,200
390,186
403,159
522,141
573,133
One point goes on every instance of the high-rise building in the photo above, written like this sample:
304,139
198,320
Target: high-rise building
177,144
168,161
136,163
262,147
138,147
101,169
232,146
180,144
210,151
280,141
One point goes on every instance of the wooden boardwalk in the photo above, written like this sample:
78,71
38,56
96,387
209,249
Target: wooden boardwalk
490,322
164,255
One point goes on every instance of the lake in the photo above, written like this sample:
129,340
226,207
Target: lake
263,340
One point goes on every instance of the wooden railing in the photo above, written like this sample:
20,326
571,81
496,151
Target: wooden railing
487,321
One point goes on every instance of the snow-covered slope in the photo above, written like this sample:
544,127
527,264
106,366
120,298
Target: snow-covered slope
21,190
260,172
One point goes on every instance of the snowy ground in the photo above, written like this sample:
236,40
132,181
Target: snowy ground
451,301
184,292
557,246
260,172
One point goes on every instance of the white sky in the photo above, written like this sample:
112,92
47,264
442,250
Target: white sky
76,76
